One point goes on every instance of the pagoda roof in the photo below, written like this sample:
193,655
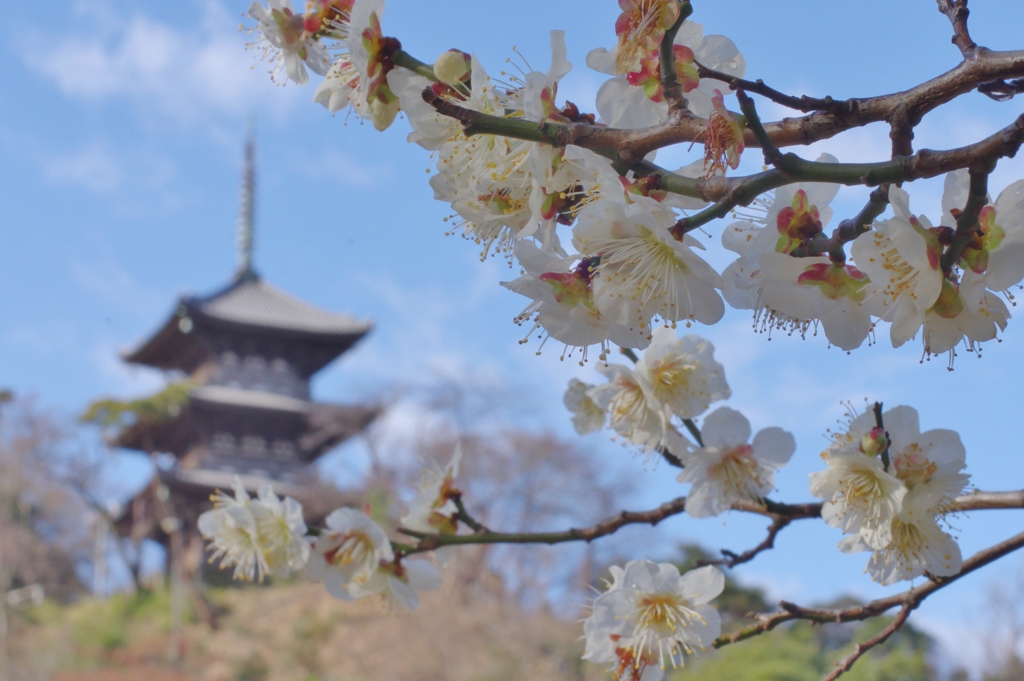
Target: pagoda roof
250,301
322,426
249,305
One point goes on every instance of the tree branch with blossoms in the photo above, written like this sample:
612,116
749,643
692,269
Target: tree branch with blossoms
603,237
910,599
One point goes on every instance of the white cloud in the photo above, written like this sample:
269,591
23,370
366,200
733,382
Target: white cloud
104,278
120,379
93,167
184,73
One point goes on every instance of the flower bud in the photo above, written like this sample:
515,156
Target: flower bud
875,442
452,67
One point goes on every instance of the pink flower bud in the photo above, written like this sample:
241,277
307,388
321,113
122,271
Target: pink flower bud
875,442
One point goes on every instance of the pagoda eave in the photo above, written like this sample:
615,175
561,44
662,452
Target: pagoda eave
318,427
183,342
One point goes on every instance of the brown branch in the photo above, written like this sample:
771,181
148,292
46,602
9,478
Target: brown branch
775,510
978,501
984,67
1002,90
847,230
844,665
802,103
463,515
910,598
730,559
740,191
956,11
429,542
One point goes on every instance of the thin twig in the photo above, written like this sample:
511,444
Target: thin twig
772,155
802,103
465,517
957,12
877,408
730,559
694,431
844,665
848,230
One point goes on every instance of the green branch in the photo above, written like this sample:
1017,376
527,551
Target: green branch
967,224
772,155
479,123
669,82
407,61
694,431
740,195
877,408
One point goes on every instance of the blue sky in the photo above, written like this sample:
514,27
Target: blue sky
122,128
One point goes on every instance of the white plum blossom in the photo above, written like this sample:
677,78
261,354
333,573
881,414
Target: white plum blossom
540,89
563,302
348,553
587,415
634,97
564,181
651,616
901,258
929,463
681,373
432,510
729,467
259,537
918,545
797,292
632,412
644,271
861,497
996,258
398,581
966,312
340,88
370,54
290,47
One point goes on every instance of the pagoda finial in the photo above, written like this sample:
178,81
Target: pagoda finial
246,216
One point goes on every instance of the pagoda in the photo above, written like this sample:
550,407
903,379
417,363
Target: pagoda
248,352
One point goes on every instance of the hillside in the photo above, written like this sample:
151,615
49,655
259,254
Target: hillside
295,632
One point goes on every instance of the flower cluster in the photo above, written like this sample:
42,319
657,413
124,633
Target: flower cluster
634,267
259,537
352,555
676,379
651,617
889,489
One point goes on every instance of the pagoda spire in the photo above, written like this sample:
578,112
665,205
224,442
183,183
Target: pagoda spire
246,215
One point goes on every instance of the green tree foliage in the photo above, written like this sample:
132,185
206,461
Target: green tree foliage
801,651
113,416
